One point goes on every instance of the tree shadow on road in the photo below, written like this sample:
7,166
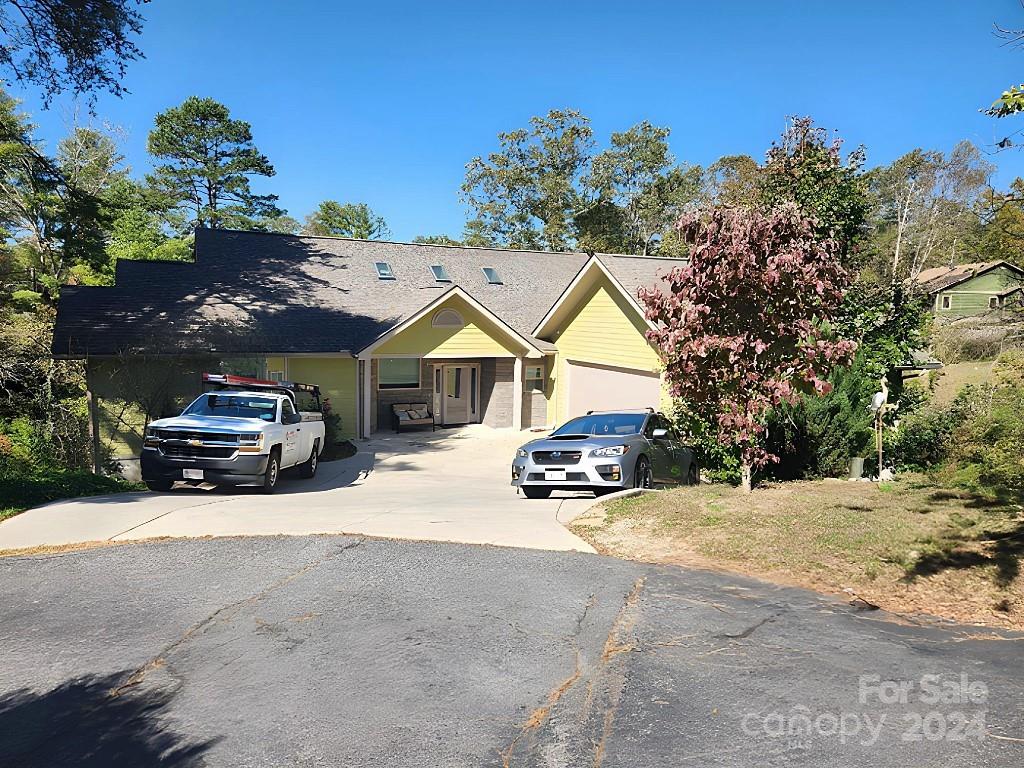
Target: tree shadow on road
82,723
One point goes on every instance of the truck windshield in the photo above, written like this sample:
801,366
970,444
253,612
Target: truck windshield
603,424
234,406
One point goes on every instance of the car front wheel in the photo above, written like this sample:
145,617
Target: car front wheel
534,492
159,486
272,473
642,475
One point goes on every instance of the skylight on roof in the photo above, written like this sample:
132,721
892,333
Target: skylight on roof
492,275
440,273
384,270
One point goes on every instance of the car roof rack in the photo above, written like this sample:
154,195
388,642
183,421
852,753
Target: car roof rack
230,380
648,409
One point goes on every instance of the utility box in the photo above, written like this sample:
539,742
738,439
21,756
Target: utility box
856,467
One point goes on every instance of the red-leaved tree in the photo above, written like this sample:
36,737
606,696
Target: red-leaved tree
744,326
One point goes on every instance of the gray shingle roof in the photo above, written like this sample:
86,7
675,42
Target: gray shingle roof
255,292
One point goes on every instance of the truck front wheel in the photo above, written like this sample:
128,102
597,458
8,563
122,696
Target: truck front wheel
308,468
159,486
272,472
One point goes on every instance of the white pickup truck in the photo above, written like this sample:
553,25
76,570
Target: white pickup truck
245,433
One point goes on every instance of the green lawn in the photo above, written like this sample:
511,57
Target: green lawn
23,492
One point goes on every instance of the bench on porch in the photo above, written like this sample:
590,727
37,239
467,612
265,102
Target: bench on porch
412,415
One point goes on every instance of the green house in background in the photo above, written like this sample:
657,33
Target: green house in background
973,289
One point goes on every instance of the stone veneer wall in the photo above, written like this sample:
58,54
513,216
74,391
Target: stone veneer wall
496,374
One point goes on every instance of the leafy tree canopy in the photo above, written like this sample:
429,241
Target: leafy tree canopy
204,164
806,167
745,325
355,220
80,46
436,240
546,188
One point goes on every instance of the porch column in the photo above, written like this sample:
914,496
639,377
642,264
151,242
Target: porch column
366,393
517,394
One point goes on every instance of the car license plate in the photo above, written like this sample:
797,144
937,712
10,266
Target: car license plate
554,474
192,474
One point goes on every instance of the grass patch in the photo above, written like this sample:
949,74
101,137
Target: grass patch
953,377
22,492
907,546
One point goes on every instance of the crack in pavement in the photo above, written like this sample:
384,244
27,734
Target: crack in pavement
613,647
539,716
158,661
749,630
169,512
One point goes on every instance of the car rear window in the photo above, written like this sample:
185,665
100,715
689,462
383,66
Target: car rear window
603,424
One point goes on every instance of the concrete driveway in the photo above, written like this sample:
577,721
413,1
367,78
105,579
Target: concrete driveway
336,651
451,485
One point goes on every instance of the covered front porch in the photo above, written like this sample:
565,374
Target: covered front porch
461,363
457,391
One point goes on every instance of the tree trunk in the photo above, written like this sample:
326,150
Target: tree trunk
746,473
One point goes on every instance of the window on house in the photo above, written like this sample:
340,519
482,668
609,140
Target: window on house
492,275
275,375
440,273
398,373
535,378
384,270
947,302
993,302
447,318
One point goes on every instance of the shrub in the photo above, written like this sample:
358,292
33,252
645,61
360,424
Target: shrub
975,442
987,453
25,301
818,436
24,447
719,463
922,440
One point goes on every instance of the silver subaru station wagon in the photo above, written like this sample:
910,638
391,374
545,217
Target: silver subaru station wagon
603,452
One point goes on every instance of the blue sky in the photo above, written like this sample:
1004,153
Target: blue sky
384,103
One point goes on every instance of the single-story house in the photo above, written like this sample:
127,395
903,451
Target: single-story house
507,338
972,289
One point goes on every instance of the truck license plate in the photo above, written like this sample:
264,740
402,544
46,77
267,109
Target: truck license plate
192,474
554,474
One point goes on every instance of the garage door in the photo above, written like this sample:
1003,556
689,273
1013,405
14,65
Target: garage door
603,388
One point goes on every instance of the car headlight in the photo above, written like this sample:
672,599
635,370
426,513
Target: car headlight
252,443
152,439
611,450
522,453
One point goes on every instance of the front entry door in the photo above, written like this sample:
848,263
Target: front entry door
460,394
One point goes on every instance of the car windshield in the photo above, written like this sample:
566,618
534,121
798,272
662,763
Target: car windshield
603,424
235,406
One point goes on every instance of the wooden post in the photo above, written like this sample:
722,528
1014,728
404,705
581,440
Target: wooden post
878,442
94,423
366,394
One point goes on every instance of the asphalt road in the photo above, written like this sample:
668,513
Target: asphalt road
335,651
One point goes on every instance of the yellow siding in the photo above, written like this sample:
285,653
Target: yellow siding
338,381
479,337
274,364
604,329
